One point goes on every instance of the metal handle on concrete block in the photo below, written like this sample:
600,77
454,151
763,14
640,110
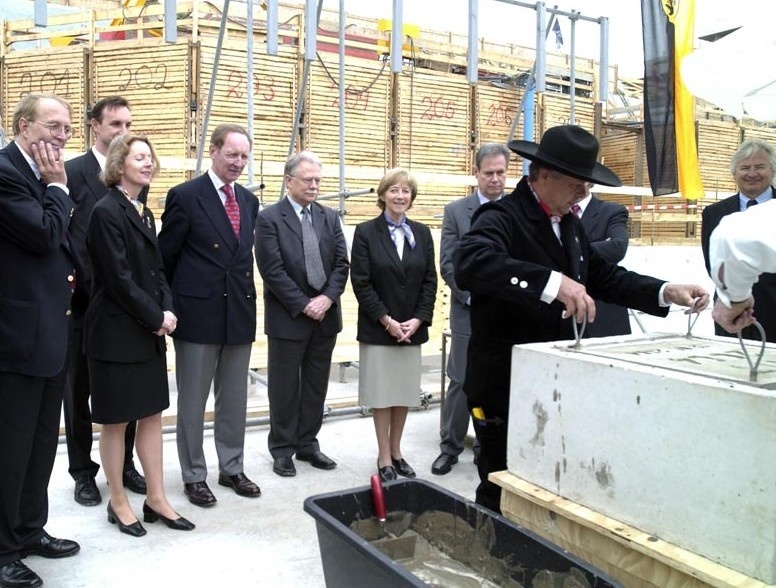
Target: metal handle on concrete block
753,366
578,332
691,321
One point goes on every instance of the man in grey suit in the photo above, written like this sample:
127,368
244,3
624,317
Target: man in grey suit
304,270
206,243
490,171
110,117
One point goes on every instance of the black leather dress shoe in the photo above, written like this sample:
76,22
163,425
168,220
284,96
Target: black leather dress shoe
284,466
179,524
18,575
387,473
199,494
134,529
241,484
133,480
403,468
86,491
51,547
443,464
318,460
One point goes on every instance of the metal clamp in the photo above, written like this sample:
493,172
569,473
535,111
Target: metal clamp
690,320
753,366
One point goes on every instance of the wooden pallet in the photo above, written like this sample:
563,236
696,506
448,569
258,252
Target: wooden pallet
636,559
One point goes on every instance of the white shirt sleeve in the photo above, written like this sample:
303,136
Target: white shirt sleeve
742,247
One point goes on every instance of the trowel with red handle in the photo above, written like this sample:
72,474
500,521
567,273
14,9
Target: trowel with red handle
402,547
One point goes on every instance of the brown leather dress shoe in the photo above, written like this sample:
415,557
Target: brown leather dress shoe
318,460
18,575
51,547
241,484
199,494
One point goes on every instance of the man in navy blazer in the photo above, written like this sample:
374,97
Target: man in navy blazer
606,227
110,117
301,321
490,170
207,247
753,166
36,281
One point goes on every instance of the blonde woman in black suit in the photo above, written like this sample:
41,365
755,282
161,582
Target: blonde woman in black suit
395,282
129,314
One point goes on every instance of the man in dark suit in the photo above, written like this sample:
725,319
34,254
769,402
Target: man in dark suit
606,227
207,246
529,266
753,166
490,171
36,280
742,247
110,117
302,315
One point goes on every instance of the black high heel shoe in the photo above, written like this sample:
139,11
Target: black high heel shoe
403,468
179,524
135,529
387,473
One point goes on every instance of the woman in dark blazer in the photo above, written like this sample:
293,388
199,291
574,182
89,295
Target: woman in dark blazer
395,281
124,328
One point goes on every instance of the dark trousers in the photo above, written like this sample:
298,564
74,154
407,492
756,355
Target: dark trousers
29,429
78,414
455,410
297,382
492,436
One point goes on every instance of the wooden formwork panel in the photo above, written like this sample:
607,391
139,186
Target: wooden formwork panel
275,94
434,137
717,141
620,152
496,109
46,71
557,111
760,132
154,77
366,109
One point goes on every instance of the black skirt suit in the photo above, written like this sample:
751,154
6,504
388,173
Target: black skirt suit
127,361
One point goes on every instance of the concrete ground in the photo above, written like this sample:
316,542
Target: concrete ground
267,541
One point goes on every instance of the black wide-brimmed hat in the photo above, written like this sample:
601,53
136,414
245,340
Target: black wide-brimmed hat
571,150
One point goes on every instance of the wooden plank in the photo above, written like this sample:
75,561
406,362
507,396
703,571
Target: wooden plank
57,71
624,552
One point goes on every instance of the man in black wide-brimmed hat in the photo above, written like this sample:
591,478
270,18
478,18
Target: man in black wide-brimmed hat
529,267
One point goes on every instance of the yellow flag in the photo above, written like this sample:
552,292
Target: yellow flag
682,14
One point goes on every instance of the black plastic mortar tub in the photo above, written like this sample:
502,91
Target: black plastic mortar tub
350,560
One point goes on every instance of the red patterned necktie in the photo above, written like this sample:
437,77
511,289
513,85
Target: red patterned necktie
232,210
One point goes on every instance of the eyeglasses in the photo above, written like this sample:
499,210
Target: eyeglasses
308,181
234,156
56,128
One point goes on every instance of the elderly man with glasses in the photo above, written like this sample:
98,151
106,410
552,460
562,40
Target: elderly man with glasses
303,260
36,284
